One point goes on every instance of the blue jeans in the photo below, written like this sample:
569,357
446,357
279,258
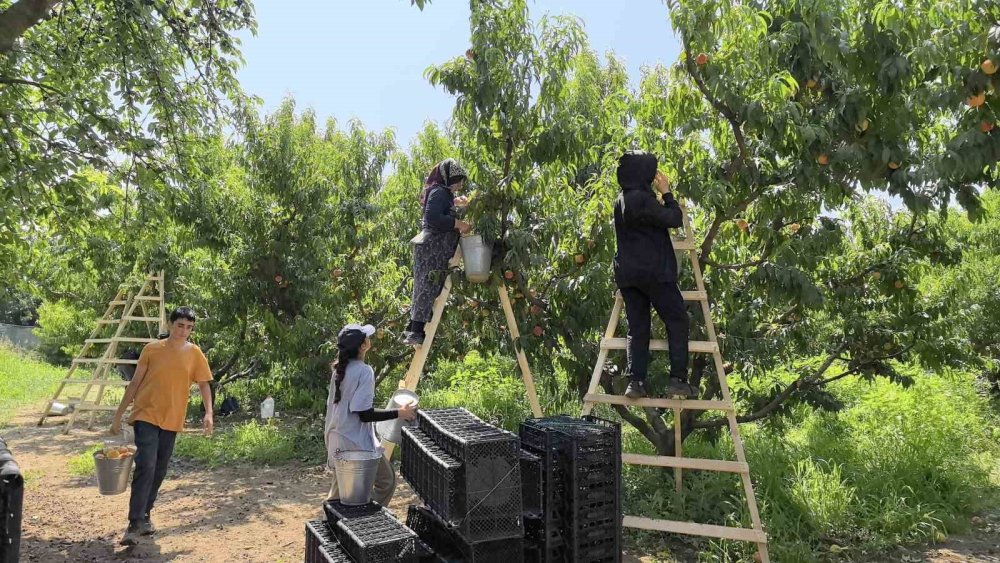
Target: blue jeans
154,446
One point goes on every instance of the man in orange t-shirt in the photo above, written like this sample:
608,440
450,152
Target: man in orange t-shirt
160,387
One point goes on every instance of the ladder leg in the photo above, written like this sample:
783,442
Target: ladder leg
602,356
412,377
522,360
678,449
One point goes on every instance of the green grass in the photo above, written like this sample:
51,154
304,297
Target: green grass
254,442
82,464
25,381
895,466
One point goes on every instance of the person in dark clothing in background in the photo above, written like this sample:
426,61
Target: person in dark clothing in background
435,245
645,270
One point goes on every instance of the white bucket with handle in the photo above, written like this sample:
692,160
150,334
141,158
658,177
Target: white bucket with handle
477,256
392,430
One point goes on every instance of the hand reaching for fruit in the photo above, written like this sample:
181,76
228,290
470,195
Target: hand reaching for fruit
661,183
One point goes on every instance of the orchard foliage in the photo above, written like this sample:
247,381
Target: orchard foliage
784,126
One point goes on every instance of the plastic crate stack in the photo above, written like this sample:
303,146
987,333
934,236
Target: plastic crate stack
468,473
361,534
580,517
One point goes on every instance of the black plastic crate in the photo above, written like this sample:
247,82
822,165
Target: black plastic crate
436,476
532,481
488,499
321,546
11,506
375,537
335,510
581,476
451,546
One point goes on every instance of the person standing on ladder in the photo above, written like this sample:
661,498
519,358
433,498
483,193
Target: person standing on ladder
436,243
164,375
645,270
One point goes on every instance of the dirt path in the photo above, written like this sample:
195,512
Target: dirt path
242,512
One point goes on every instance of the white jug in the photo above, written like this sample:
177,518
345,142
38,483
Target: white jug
267,408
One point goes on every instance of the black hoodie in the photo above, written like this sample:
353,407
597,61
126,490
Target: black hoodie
645,254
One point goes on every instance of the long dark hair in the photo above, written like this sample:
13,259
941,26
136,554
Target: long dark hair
344,357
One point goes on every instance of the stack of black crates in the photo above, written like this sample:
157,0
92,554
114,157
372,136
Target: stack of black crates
468,473
579,518
361,534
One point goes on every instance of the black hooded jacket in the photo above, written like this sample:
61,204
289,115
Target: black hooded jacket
645,254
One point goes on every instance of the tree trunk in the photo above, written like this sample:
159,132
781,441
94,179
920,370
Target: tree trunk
20,17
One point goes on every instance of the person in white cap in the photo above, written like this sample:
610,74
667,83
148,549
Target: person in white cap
350,412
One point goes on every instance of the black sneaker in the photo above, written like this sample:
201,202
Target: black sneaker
412,338
146,527
677,387
636,389
131,536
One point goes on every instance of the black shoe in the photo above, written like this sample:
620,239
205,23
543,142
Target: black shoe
677,387
636,389
411,338
131,536
146,527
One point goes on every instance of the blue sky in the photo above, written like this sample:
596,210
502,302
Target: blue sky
365,59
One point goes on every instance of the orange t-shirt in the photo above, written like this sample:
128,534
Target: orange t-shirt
163,394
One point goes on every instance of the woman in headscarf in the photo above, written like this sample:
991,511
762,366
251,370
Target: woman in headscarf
435,245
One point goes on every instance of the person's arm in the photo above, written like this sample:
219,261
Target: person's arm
130,391
438,211
206,399
377,415
645,210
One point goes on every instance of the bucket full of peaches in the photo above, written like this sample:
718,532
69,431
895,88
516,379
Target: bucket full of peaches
114,465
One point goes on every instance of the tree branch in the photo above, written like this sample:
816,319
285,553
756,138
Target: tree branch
20,17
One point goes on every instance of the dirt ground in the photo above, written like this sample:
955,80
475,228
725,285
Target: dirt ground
238,513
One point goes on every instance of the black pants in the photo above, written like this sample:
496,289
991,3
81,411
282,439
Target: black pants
666,299
154,448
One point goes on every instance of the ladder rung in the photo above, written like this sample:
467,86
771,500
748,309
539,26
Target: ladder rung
687,463
683,244
108,321
103,361
118,303
693,404
148,298
93,407
106,382
146,319
118,339
694,295
703,346
695,529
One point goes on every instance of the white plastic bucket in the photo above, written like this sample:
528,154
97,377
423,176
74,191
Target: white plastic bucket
392,430
356,475
477,256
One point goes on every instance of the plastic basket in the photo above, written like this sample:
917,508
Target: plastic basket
434,475
491,484
336,510
375,538
321,546
580,518
451,546
531,483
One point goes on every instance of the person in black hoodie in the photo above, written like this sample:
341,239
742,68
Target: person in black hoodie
645,270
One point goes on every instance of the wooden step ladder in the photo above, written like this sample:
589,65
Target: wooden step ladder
609,342
413,373
126,308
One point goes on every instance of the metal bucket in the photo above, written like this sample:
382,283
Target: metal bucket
113,474
356,475
392,430
477,256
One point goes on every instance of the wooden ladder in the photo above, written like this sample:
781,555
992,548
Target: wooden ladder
755,534
149,297
412,377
